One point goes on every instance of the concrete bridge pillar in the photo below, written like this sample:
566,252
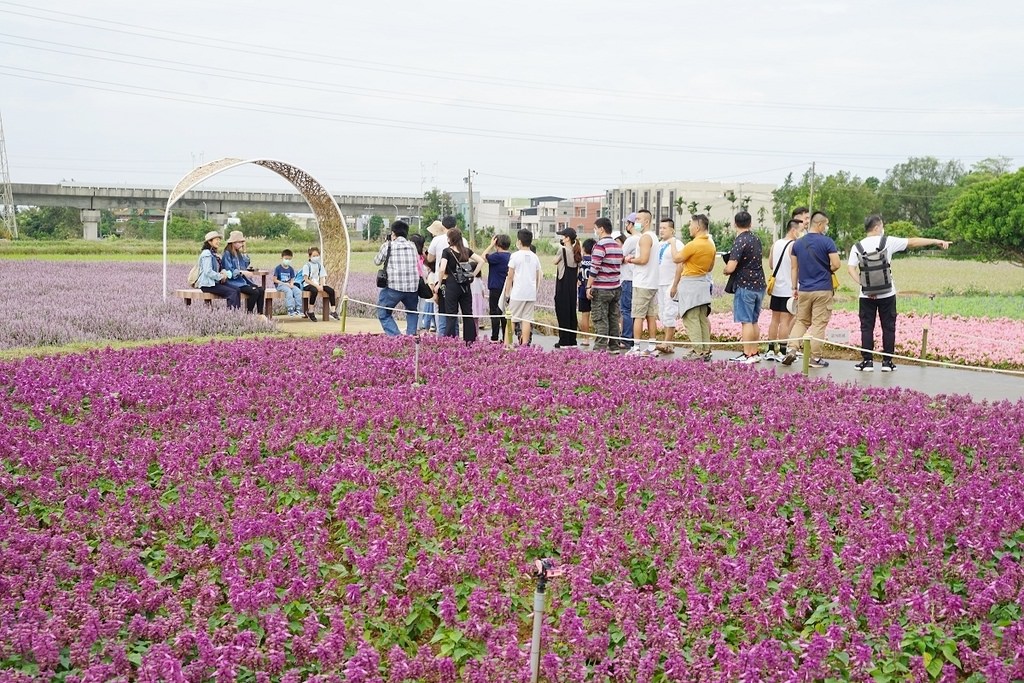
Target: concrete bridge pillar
219,219
90,224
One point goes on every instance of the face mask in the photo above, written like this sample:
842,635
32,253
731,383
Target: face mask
286,261
314,259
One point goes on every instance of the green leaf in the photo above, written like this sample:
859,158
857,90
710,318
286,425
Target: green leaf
934,667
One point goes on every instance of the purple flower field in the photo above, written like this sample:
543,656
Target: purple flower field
279,510
48,303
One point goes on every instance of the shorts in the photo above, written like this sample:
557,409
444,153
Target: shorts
645,303
668,308
746,305
778,304
584,304
521,311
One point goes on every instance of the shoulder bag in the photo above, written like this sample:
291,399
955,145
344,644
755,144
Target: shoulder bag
382,274
771,280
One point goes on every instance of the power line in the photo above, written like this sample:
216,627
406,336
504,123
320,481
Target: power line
219,43
307,85
383,122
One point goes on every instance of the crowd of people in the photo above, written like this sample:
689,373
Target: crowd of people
616,287
229,274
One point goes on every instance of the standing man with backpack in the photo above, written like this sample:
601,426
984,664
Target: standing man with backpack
870,266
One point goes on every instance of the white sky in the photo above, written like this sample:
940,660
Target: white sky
566,98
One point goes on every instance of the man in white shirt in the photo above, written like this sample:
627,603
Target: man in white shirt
668,307
780,260
882,300
522,284
645,286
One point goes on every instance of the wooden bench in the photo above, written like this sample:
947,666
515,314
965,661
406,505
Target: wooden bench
270,295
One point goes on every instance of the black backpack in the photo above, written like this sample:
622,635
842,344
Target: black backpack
875,269
463,271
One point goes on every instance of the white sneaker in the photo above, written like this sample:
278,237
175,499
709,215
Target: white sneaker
635,351
770,355
751,360
739,359
650,353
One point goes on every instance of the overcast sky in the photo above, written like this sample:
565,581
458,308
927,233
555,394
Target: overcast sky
567,98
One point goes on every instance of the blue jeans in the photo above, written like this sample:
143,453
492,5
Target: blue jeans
292,297
626,306
390,298
746,305
428,318
443,321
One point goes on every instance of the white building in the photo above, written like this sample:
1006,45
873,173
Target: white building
665,199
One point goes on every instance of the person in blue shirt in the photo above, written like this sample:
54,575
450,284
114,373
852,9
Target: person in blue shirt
497,271
815,259
211,277
236,262
284,281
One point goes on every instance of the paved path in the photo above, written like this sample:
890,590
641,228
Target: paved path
981,386
932,380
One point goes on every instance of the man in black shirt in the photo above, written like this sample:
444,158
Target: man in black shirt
745,261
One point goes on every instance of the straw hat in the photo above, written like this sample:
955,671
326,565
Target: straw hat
436,228
211,235
236,236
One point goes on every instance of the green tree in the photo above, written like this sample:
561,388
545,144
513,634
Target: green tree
439,204
185,227
902,229
844,197
913,190
50,223
989,215
264,224
376,226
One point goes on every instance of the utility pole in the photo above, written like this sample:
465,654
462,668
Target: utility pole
9,218
810,200
469,219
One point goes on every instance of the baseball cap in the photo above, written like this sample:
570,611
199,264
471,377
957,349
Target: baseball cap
567,232
631,218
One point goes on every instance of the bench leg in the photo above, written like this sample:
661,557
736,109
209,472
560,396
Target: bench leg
209,303
327,309
188,302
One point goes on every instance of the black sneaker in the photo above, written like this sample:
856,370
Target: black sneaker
865,366
335,316
789,358
311,315
818,363
887,366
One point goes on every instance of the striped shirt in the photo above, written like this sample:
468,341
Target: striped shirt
605,263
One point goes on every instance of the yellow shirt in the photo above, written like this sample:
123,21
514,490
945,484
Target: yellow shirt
698,256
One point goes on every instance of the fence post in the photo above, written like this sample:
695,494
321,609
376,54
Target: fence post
509,329
344,313
807,356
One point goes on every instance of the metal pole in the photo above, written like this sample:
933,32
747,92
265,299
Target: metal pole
472,228
810,200
538,622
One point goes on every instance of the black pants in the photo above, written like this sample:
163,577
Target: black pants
231,294
329,291
458,297
497,319
886,311
565,308
256,297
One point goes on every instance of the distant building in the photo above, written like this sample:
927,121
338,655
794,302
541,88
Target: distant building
661,200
